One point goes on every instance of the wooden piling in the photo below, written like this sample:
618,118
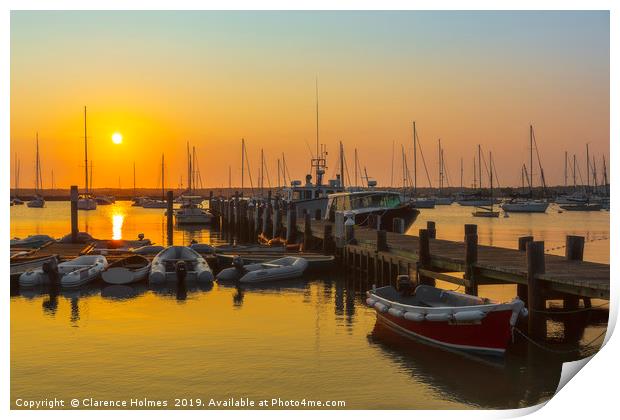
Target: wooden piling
522,288
327,239
471,258
536,302
574,252
169,216
430,227
291,224
74,213
424,256
382,244
307,230
317,214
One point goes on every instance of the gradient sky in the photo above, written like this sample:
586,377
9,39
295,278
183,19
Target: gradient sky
211,78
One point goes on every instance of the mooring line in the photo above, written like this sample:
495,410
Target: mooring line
543,347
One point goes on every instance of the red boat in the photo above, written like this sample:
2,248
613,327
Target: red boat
448,318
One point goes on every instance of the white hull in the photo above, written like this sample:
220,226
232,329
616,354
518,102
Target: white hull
476,203
36,203
423,203
81,270
193,218
171,256
444,201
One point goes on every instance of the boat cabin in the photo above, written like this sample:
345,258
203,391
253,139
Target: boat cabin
361,201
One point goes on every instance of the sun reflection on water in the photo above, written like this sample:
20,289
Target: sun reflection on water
117,226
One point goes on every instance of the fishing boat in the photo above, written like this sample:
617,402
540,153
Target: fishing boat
178,263
482,210
127,270
447,318
371,207
86,201
279,269
38,201
423,202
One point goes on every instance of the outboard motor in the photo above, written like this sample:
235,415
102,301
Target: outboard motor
237,263
404,285
181,270
140,236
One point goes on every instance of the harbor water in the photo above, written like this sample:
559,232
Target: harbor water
311,338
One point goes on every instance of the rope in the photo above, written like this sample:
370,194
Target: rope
602,238
562,312
543,347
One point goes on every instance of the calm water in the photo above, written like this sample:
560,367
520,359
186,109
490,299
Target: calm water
311,338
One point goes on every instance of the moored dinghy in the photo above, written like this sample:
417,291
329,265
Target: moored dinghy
279,269
81,270
127,270
447,318
179,262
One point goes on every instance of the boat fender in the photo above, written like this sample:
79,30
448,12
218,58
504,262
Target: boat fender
414,316
381,307
439,317
469,316
370,302
396,312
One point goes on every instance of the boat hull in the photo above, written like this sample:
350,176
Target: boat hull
532,207
371,219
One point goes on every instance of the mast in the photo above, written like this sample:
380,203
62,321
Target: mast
565,169
356,184
278,173
392,175
415,160
480,166
91,176
461,174
189,171
318,169
229,180
85,153
163,195
36,175
262,173
531,158
283,170
587,166
134,178
575,171
440,165
341,165
242,163
605,176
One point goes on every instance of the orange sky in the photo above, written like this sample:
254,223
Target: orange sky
211,78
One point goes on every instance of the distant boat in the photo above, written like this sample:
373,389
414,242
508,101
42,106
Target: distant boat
582,207
86,201
157,204
105,200
192,213
482,210
38,201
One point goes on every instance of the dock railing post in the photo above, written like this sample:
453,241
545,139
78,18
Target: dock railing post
398,225
317,214
424,256
291,224
74,213
535,300
307,230
522,288
169,216
574,252
471,258
277,220
430,227
327,239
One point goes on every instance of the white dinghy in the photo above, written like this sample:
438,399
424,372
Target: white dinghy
179,262
81,270
281,269
127,270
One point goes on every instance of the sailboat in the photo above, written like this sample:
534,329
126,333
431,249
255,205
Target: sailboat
157,204
16,201
86,201
488,211
528,205
191,211
37,201
442,200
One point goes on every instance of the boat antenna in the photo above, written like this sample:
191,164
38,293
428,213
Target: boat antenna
415,160
242,163
392,175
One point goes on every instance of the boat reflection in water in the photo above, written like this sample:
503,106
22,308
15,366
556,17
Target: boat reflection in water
490,382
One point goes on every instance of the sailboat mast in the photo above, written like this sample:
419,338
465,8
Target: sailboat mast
461,174
588,166
565,168
163,195
36,175
392,175
531,158
262,173
480,166
242,163
85,153
491,178
318,169
134,178
341,165
440,163
575,171
356,184
415,160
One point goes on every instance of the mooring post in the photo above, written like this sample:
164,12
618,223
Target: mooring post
471,258
522,288
327,239
74,213
424,256
382,244
169,216
574,252
317,214
430,227
307,230
277,220
535,300
257,225
398,225
291,224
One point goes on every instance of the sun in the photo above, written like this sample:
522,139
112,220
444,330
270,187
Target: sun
117,138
